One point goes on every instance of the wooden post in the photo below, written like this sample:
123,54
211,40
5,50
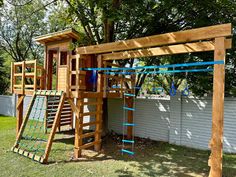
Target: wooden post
23,78
19,112
216,142
98,130
99,109
35,75
12,77
78,129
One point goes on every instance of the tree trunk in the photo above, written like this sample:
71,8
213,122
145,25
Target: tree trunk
108,37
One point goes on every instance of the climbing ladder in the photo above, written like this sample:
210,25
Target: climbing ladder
31,140
128,114
93,101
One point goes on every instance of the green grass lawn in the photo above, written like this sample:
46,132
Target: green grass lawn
151,159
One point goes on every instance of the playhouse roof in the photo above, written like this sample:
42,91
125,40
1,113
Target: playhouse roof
56,36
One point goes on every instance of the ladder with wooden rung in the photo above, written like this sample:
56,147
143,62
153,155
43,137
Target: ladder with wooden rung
94,103
31,141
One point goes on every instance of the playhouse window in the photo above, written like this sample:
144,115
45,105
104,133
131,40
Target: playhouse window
63,58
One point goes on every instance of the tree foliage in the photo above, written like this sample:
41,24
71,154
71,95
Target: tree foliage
111,20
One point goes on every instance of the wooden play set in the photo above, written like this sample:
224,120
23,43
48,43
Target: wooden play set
86,75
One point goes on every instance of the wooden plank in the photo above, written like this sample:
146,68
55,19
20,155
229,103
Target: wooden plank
54,127
86,135
88,113
12,77
28,154
166,50
23,77
18,75
31,86
30,74
216,142
45,115
98,129
89,123
78,130
203,33
90,103
85,146
19,113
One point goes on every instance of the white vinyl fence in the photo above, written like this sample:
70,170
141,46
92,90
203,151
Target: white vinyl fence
180,120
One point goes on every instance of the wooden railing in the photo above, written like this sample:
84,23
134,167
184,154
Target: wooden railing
26,77
76,76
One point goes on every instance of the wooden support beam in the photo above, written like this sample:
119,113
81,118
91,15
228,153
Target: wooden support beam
98,129
216,142
19,113
99,108
12,77
35,75
23,78
166,50
54,127
78,129
203,33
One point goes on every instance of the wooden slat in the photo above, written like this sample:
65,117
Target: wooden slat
85,146
17,86
17,74
98,128
23,77
29,86
216,142
78,128
30,62
88,113
89,123
162,39
165,50
90,103
28,154
86,135
12,77
29,74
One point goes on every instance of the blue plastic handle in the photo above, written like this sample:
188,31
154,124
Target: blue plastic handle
172,89
186,91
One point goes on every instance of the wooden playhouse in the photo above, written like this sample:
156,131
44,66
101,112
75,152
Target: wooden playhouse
63,75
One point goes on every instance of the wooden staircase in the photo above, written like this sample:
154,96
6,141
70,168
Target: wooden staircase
66,117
